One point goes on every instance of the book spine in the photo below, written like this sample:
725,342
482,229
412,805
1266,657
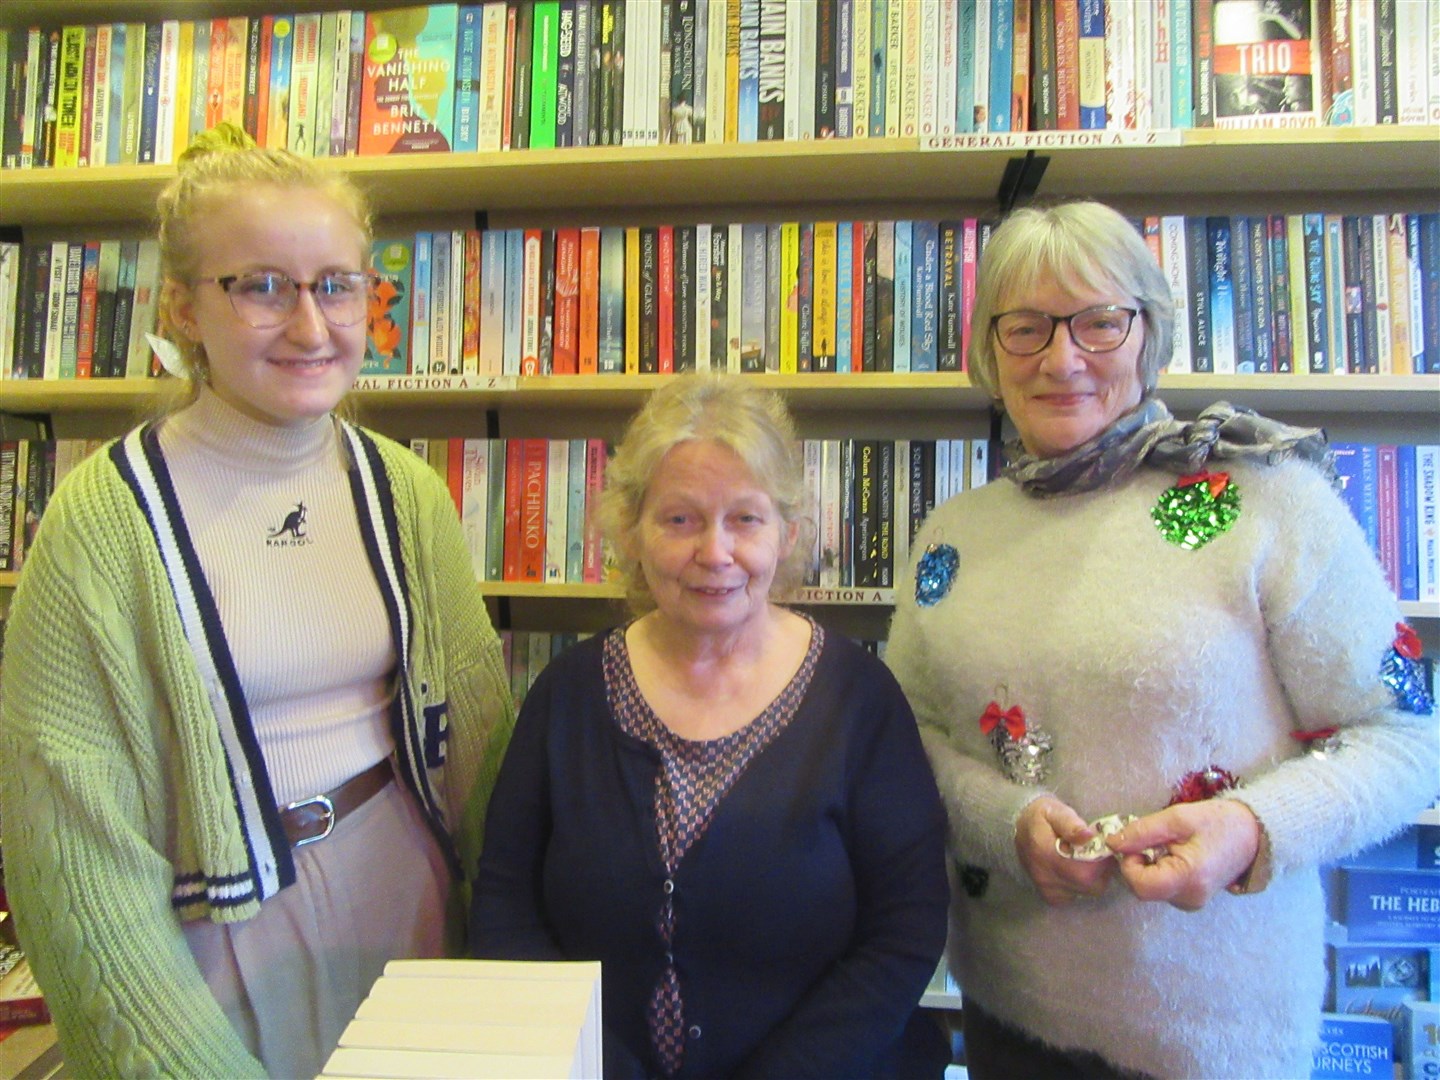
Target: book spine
612,342
533,526
1356,357
557,507
1262,315
544,63
70,311
576,480
1222,297
683,312
704,295
948,330
1175,262
1427,512
514,499
595,461
904,295
774,295
88,309
1280,293
1408,523
1429,262
1090,55
1398,261
884,498
467,79
925,308
789,308
567,302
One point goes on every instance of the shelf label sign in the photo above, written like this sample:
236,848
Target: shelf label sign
1051,140
435,382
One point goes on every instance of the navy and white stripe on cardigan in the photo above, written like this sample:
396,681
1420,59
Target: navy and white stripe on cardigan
142,466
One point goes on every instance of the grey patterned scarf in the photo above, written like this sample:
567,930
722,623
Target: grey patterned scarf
1149,435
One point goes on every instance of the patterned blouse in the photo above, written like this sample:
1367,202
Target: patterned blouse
693,777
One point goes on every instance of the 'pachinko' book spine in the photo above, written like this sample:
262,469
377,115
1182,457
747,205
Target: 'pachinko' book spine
408,99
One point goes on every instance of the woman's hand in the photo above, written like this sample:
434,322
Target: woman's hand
1208,845
1058,880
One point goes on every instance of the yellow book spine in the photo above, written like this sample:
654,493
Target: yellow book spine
632,300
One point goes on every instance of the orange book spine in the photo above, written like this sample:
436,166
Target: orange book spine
565,359
589,315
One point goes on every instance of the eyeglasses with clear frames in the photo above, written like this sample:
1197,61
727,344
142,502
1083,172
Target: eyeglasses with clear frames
266,299
1094,330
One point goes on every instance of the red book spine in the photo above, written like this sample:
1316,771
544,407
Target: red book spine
514,483
535,462
666,274
1067,64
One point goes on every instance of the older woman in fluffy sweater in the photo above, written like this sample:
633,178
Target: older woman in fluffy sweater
1160,679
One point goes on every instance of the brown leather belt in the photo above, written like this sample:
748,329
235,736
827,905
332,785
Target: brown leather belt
316,817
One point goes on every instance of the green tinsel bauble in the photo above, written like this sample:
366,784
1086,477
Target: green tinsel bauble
1191,516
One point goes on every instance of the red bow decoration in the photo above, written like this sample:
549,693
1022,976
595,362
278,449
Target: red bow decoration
1012,718
1314,736
1217,482
1203,784
1407,642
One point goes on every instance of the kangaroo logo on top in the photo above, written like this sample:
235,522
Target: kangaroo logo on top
291,532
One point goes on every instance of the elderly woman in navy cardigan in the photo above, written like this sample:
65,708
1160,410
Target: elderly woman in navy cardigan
724,804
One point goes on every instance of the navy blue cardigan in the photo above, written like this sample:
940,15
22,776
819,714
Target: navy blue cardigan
809,916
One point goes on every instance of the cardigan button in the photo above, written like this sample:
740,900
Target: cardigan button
694,1031
668,887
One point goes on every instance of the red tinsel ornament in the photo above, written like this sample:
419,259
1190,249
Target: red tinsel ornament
1203,784
1407,642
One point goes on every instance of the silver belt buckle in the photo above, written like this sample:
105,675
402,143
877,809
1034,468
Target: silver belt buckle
324,802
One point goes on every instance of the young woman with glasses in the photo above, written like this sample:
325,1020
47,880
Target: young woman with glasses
1175,623
253,706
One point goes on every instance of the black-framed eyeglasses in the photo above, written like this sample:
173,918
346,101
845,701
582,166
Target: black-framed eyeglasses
1094,330
265,299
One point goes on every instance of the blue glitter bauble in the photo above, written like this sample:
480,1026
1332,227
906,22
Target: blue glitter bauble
935,573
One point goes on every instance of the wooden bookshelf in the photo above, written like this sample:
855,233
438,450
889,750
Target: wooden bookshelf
933,392
772,178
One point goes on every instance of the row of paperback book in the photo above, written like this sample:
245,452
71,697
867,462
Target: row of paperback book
1307,293
29,471
1391,491
516,75
529,506
1383,953
77,309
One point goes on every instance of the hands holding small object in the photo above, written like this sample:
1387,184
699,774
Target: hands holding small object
1181,855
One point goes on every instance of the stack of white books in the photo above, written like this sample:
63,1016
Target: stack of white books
476,1019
